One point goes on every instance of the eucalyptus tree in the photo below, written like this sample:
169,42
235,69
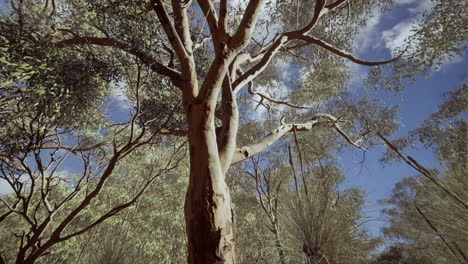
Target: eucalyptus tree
151,231
171,39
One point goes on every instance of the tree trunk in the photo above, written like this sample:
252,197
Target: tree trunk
278,244
208,213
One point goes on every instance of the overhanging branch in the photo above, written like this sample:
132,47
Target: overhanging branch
245,152
425,172
342,53
155,66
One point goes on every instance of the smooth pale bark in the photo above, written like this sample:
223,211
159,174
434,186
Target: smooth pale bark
208,214
248,151
208,209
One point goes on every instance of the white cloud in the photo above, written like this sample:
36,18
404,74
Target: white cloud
395,38
118,94
404,29
369,37
421,5
372,37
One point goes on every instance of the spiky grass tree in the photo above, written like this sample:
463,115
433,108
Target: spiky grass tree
326,226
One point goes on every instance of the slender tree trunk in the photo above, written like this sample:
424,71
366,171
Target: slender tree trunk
278,244
208,212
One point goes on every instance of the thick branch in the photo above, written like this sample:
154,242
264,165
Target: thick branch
184,53
245,152
171,32
244,33
223,9
260,66
182,24
228,132
278,45
318,12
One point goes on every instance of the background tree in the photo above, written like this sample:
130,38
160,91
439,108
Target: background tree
429,223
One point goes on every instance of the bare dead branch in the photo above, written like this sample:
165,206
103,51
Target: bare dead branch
425,172
442,237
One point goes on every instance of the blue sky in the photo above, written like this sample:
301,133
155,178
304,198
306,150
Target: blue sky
417,103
